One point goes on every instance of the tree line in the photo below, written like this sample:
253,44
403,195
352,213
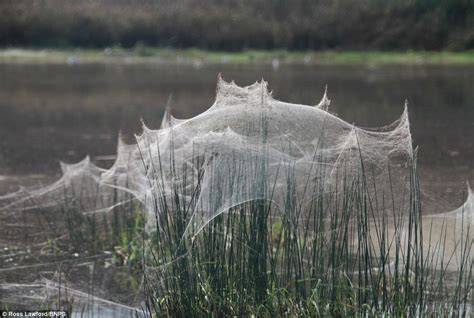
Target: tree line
234,25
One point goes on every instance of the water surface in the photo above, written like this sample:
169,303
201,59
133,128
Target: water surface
59,112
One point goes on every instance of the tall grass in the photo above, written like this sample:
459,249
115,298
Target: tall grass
347,248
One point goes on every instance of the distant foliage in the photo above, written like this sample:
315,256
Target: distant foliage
237,25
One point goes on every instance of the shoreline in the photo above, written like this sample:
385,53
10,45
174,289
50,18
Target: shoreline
197,57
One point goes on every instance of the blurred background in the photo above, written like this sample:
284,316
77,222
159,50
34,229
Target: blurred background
74,73
236,25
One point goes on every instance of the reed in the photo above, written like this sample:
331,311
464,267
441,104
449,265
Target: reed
349,248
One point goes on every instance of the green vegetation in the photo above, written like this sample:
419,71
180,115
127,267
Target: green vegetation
238,25
335,251
345,248
143,54
129,251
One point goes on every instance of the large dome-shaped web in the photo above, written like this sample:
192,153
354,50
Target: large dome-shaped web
243,148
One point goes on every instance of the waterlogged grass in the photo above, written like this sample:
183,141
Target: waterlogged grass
338,256
143,54
352,247
333,252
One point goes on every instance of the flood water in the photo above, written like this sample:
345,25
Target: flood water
59,112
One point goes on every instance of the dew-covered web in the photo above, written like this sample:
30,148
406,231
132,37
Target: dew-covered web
246,147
